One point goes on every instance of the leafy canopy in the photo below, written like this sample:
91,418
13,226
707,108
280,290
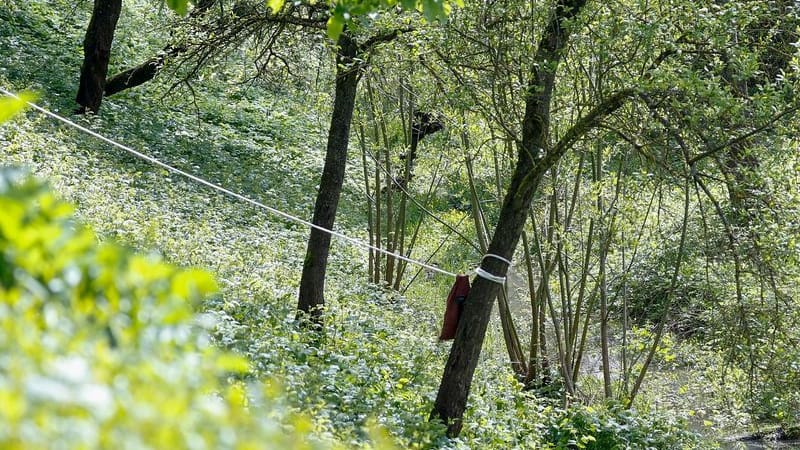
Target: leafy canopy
343,11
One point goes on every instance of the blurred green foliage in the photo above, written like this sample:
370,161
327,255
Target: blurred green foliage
10,105
101,347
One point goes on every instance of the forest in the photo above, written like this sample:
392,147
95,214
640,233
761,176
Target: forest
428,224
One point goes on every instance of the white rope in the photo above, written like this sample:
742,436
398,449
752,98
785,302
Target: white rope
228,192
492,255
484,274
491,277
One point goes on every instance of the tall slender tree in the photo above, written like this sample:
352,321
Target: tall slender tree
350,57
535,157
312,284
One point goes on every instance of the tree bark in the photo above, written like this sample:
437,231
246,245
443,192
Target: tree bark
311,300
532,164
515,354
606,233
96,54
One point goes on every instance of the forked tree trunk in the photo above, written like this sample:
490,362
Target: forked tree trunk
312,283
532,164
96,54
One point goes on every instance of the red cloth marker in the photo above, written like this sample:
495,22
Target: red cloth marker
455,303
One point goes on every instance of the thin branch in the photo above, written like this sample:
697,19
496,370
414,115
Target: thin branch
383,38
591,120
745,136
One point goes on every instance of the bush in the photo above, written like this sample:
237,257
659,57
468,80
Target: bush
587,427
100,348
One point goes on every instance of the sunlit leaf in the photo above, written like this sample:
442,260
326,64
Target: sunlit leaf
232,363
179,6
10,106
275,5
335,26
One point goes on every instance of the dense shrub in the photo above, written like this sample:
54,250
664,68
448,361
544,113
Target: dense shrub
647,290
587,427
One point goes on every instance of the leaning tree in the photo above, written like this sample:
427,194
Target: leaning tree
670,89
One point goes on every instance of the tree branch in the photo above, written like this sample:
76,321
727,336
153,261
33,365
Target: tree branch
745,136
591,120
382,38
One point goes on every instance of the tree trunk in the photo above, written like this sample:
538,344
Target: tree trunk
513,346
533,375
372,119
362,137
96,54
312,283
532,164
597,177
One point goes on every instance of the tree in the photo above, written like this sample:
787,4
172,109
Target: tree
311,299
679,105
349,63
756,74
312,283
534,159
96,54
251,20
97,43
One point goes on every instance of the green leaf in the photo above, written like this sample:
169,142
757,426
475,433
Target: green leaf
10,106
275,5
233,363
335,26
179,6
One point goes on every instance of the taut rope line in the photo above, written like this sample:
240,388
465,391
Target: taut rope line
225,191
